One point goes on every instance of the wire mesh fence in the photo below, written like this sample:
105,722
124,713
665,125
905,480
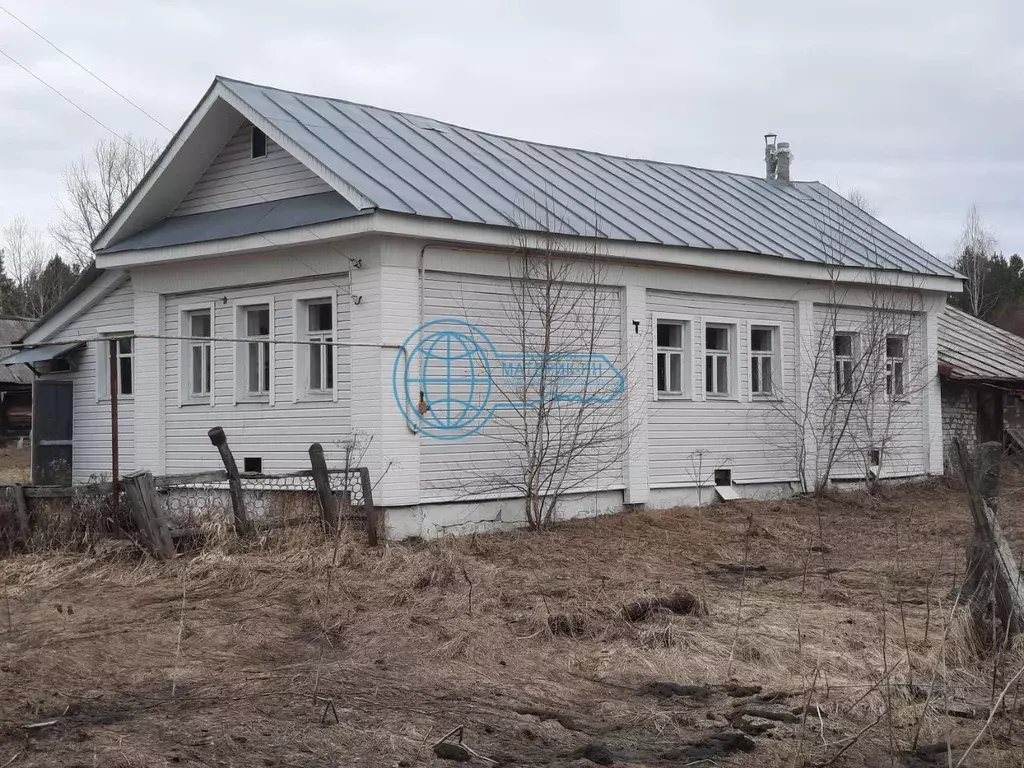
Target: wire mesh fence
192,500
77,517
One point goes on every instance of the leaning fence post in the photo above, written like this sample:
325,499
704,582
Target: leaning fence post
373,518
141,491
220,441
21,505
322,480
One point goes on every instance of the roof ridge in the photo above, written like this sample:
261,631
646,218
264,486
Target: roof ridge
506,137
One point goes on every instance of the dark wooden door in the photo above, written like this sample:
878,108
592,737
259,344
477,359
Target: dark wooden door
52,431
990,415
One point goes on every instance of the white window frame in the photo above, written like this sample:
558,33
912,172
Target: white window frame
732,327
185,395
904,359
853,358
686,373
778,380
242,395
300,368
103,363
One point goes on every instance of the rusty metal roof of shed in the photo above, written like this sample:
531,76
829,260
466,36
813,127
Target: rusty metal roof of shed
413,165
971,349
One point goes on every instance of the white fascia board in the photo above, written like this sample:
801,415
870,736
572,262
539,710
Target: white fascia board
485,236
342,187
104,285
152,177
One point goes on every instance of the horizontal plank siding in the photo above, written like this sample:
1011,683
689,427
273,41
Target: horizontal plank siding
485,463
91,447
755,439
234,178
280,432
897,427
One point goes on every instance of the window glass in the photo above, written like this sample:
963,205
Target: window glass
716,339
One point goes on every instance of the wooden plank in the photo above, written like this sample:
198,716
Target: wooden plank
220,441
328,504
21,507
141,491
194,478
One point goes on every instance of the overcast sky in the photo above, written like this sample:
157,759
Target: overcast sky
918,104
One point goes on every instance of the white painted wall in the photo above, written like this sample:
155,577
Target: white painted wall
234,178
754,438
281,430
91,449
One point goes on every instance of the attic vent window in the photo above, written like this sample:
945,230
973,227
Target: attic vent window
258,143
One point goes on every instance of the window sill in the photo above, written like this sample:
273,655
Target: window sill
708,397
757,397
670,397
194,401
319,396
261,399
120,399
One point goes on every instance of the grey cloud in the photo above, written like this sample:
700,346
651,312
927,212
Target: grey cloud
915,103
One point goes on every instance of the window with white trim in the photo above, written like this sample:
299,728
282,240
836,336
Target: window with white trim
718,365
124,362
256,362
198,354
843,346
319,330
895,366
670,362
764,360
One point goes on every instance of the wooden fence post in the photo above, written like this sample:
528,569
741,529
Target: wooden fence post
373,516
220,441
992,567
21,506
141,491
328,504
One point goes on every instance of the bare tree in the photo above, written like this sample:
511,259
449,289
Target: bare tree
95,186
559,422
852,410
974,251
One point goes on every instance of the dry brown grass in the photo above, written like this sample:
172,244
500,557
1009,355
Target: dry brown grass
405,655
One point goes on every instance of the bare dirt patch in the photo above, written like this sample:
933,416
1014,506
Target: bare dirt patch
214,659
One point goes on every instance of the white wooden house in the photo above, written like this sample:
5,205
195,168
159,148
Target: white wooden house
276,217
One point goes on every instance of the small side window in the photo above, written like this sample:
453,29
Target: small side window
895,366
258,143
670,360
764,349
843,357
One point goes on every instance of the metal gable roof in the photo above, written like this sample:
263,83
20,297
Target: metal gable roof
970,348
414,165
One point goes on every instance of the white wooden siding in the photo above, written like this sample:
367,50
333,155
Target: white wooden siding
280,433
898,425
475,465
755,439
91,447
234,178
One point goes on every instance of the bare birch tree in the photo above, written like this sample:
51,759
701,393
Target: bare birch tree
974,251
95,186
